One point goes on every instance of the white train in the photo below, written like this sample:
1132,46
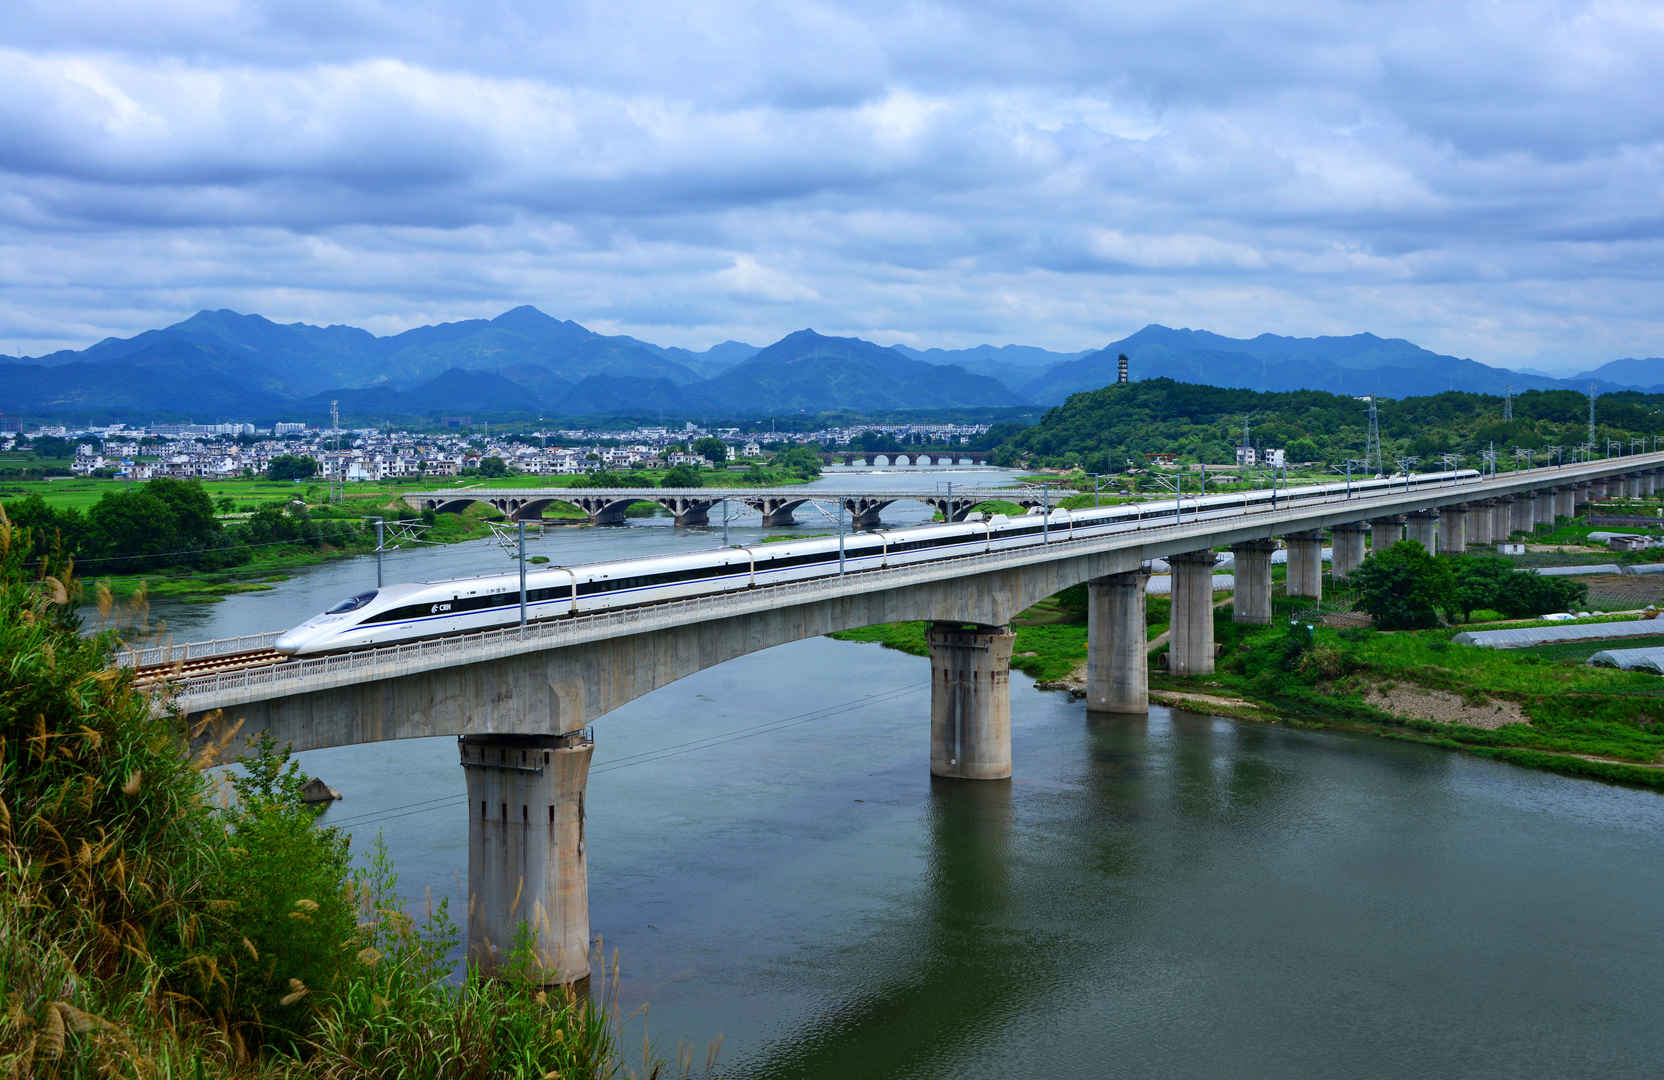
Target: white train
405,612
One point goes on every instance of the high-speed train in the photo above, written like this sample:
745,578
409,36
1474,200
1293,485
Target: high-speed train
405,612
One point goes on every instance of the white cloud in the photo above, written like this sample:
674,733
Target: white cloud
1481,179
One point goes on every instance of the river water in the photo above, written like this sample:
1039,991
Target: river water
1179,895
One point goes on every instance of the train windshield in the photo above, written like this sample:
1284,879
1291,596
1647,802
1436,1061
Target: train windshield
352,603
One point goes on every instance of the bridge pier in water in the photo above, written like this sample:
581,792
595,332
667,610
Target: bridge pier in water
1251,566
970,701
1190,651
1117,665
526,849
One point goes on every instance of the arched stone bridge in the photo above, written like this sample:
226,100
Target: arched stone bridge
907,457
692,506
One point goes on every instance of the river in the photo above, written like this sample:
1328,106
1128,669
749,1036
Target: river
1174,896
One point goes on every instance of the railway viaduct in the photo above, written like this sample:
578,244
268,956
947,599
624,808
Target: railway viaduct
522,701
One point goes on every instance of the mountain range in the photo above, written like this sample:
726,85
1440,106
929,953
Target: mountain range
224,364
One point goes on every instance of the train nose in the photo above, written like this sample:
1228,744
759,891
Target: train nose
294,641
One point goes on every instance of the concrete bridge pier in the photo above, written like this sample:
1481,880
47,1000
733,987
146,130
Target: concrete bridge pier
1481,515
1117,665
689,511
1502,519
777,513
1565,503
1305,564
1583,494
1349,549
1251,565
864,513
970,701
526,849
1422,528
1453,530
1632,486
1525,514
1385,532
1191,648
1545,507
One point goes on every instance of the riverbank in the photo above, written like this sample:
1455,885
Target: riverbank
271,565
1540,708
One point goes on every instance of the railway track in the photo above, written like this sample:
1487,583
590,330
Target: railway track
153,674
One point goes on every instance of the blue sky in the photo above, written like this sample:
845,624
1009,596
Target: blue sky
1483,178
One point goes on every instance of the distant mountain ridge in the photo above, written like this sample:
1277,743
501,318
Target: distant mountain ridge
225,363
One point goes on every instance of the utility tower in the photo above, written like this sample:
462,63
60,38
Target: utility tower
1372,446
339,476
1591,414
1507,402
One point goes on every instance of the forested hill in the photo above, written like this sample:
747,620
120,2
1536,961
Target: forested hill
1101,429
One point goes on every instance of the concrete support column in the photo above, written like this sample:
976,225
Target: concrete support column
1632,486
1584,494
1597,489
1453,530
1305,565
1385,532
970,701
1481,515
1422,528
1565,503
1349,548
1251,565
1545,507
1502,519
1651,483
1525,514
1117,663
1191,651
526,850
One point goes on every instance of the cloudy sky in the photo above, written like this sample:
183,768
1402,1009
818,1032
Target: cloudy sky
1484,179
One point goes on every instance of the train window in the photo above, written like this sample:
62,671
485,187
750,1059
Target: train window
352,603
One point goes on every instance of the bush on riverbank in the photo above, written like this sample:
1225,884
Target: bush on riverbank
145,931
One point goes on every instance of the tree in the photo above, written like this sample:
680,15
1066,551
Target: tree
1302,450
493,466
712,449
1404,587
1485,581
683,476
1479,580
291,467
801,461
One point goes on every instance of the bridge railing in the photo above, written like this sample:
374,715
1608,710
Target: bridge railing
578,629
149,655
